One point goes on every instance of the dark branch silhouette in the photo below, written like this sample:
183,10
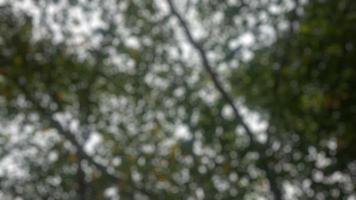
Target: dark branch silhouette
229,100
69,136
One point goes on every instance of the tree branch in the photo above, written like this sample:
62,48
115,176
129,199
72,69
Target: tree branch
229,100
69,136
209,69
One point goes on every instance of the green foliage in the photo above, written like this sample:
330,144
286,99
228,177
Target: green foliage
133,82
304,83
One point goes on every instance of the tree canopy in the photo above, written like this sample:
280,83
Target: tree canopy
165,99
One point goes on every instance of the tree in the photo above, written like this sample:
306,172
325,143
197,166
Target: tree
154,99
306,79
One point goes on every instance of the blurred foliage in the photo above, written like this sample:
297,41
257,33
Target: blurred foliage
304,85
307,77
132,84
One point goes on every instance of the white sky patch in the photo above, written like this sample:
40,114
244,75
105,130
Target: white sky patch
64,118
227,112
255,122
92,142
182,132
132,42
111,193
209,95
269,34
246,55
246,39
10,165
291,191
148,148
16,139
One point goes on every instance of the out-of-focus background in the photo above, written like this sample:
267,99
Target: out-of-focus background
177,99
